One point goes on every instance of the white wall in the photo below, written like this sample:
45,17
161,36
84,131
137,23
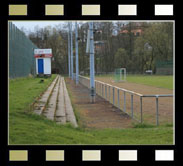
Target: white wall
47,65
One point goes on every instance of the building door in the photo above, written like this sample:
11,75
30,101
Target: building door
40,66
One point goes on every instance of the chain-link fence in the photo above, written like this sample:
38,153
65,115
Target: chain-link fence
21,53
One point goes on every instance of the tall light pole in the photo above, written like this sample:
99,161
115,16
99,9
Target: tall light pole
72,76
92,65
76,45
69,51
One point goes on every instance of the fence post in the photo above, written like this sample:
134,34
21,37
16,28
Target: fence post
102,90
141,118
118,99
124,93
113,96
157,111
106,92
132,104
109,94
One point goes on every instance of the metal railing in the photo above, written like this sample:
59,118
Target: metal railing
104,90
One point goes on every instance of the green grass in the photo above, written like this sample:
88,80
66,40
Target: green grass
156,81
28,128
160,81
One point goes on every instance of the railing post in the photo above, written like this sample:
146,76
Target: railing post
118,99
113,96
157,111
109,94
102,90
124,105
132,104
105,91
141,118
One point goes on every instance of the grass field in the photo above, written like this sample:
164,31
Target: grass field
28,128
156,81
160,81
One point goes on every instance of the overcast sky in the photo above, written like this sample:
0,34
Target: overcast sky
30,25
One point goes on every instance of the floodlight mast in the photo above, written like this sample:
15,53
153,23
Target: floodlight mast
69,51
77,63
92,65
72,75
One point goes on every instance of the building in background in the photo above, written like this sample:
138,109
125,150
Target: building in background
137,28
43,62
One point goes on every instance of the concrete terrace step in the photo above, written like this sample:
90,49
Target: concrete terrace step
60,115
70,117
55,103
49,112
40,105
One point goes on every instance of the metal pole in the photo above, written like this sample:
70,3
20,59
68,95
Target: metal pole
113,96
102,90
100,85
132,104
72,75
106,92
109,94
69,51
124,93
141,118
92,65
118,99
77,63
157,112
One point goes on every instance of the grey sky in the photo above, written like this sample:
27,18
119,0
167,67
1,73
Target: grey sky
30,25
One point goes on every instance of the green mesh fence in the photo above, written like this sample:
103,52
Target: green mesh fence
164,67
164,64
21,54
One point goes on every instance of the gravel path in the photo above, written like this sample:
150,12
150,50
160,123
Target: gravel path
99,115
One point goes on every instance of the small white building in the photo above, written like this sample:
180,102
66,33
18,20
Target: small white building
43,61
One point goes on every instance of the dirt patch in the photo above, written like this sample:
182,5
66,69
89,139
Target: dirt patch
149,104
100,114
